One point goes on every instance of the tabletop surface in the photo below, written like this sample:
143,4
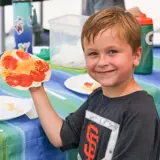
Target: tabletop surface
24,139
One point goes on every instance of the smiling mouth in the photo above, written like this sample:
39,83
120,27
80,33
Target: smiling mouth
106,71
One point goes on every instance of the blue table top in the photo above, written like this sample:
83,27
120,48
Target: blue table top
24,139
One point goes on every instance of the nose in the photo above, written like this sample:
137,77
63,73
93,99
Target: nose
103,60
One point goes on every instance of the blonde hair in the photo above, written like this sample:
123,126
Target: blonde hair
125,23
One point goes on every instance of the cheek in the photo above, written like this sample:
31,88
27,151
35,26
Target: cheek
126,70
90,63
124,65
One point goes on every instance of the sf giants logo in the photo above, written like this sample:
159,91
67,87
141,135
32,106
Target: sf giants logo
92,137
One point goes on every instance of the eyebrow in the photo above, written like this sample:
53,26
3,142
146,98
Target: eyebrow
108,47
91,49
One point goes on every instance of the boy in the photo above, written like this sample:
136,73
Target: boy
119,120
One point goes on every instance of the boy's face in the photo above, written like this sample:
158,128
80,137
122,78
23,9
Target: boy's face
109,59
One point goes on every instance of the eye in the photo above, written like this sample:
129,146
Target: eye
92,54
112,52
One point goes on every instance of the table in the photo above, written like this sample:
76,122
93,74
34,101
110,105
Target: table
24,139
2,20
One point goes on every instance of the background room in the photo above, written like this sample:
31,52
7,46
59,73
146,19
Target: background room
56,8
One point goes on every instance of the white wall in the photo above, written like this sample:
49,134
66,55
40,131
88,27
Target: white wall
60,7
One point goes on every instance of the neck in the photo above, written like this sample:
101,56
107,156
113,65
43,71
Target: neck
122,89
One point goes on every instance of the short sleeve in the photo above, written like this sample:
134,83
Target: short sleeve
139,138
71,128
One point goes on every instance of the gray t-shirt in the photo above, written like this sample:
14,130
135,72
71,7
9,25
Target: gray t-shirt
122,128
92,6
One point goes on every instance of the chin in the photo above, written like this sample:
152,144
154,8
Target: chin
108,84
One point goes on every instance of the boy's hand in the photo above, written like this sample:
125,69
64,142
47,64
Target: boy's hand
35,89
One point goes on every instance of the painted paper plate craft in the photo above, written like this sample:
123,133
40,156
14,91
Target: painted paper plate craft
22,70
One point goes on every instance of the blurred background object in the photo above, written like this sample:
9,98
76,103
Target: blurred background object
90,6
6,22
50,9
22,23
146,64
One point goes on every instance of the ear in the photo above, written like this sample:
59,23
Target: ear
137,56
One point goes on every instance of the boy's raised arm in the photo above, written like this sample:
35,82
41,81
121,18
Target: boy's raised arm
50,120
